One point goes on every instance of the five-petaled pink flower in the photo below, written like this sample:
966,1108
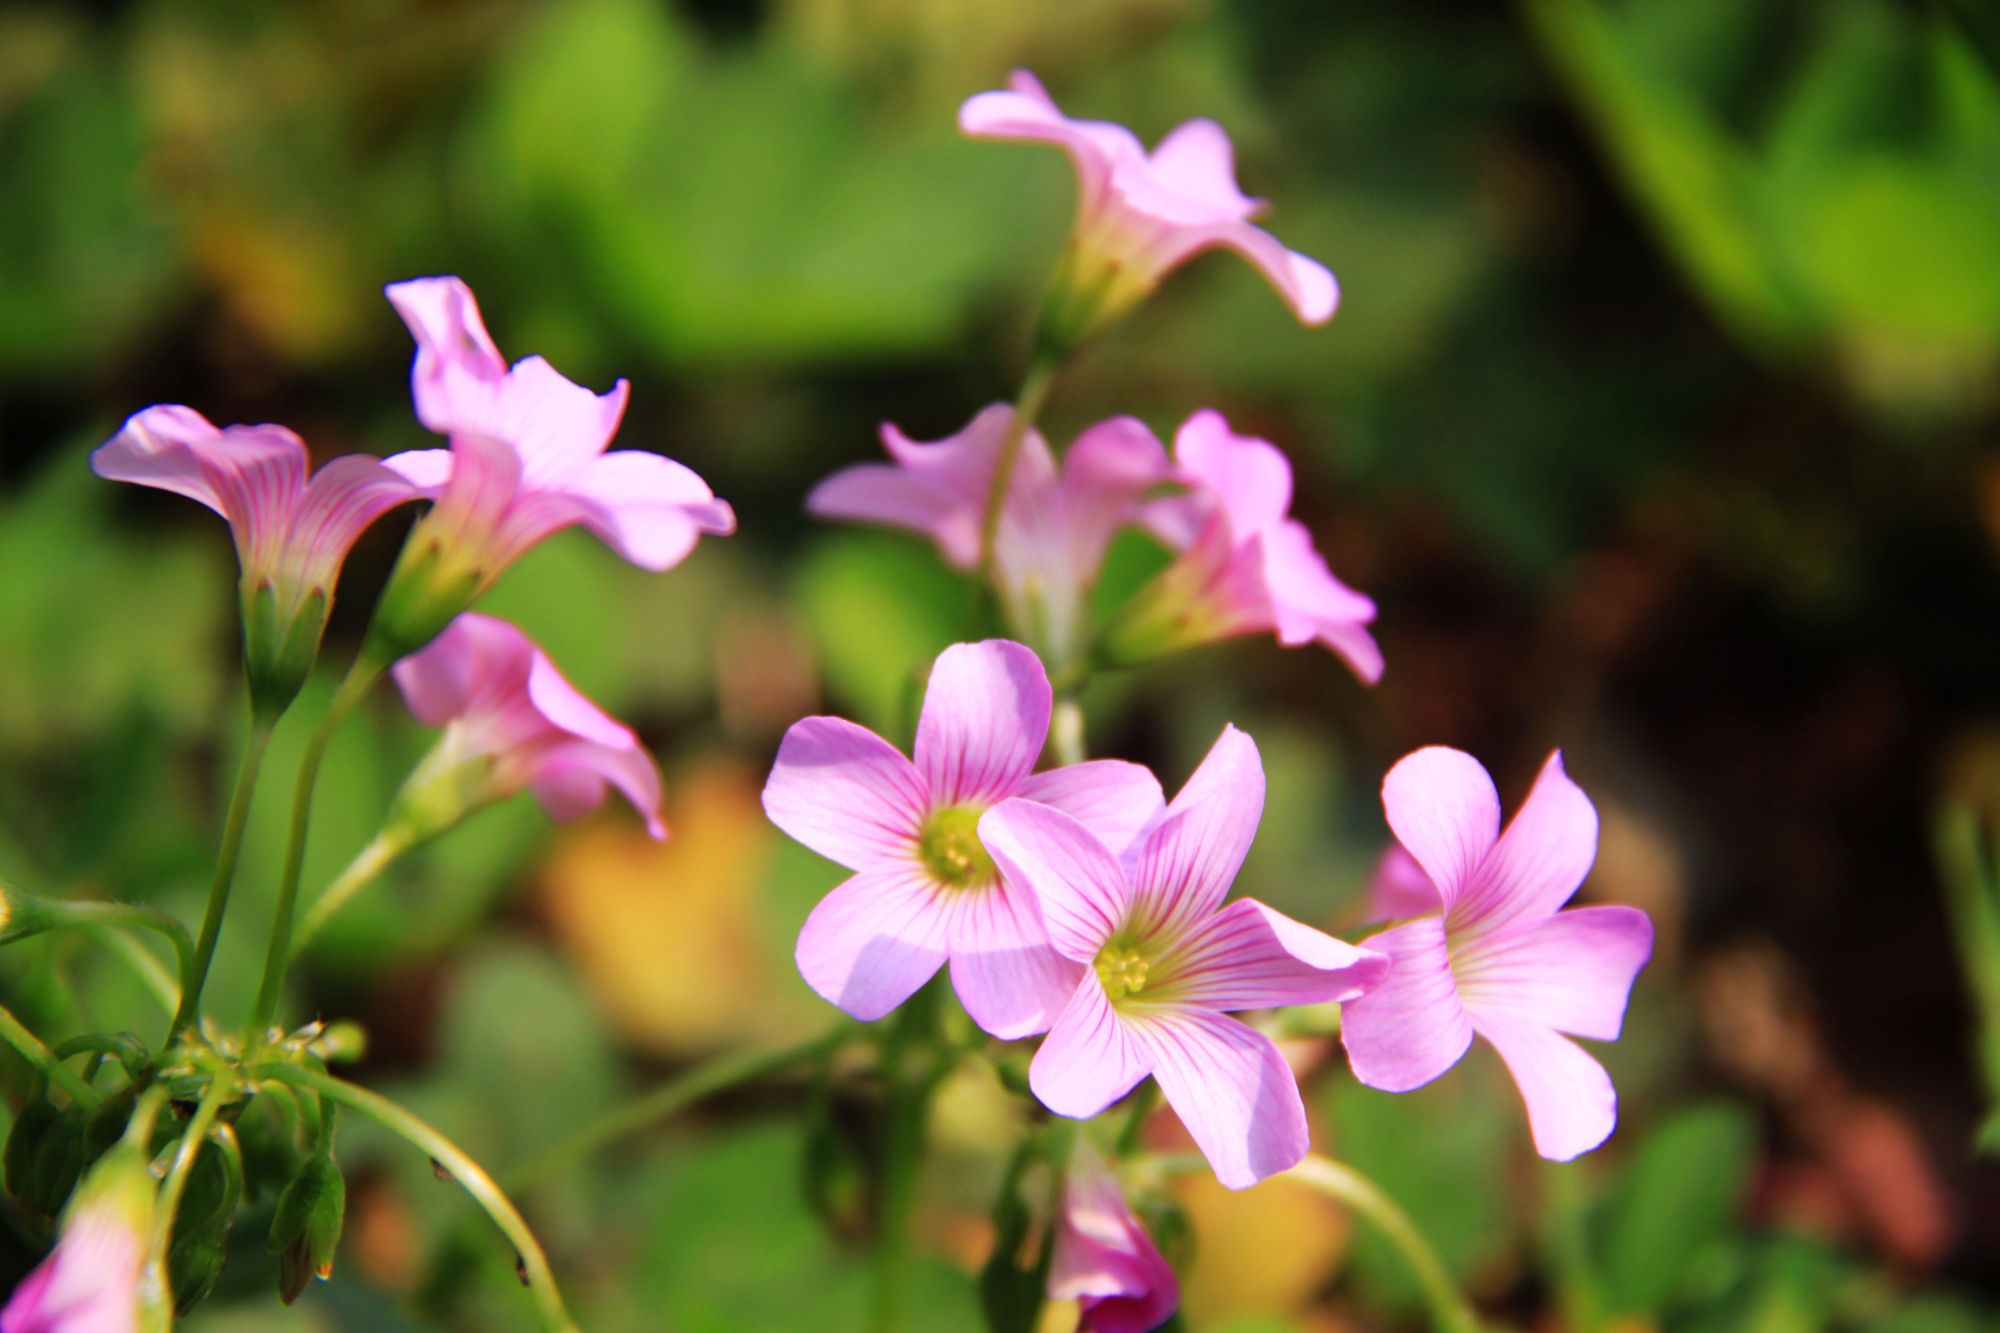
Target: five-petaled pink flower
1055,523
1164,964
925,888
96,1279
1140,215
512,721
1103,1259
292,531
527,459
1246,566
1495,955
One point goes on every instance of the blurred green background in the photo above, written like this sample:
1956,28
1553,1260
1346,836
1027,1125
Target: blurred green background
1659,417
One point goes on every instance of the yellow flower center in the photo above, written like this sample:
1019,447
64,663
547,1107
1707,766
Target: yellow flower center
1122,969
949,848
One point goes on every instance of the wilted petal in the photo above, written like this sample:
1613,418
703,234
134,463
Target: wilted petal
1076,880
1572,1106
1231,1088
1114,799
1409,1027
1443,809
1572,971
1009,978
1185,866
846,793
1249,956
1089,1059
1540,860
985,717
874,940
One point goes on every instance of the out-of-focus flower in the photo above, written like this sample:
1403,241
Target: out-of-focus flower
1103,1258
1246,566
292,531
1164,964
511,721
96,1280
1495,955
1140,215
925,889
527,459
1398,887
1055,522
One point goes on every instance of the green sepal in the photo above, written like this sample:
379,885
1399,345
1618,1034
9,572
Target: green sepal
425,590
305,1233
201,1228
280,646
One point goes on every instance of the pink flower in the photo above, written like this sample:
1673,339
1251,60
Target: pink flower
1141,215
511,722
96,1279
1494,955
925,889
1054,525
1167,963
1103,1258
292,531
1246,566
1398,887
527,459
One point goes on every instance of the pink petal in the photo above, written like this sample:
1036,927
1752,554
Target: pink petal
1572,1106
1089,1059
340,501
570,781
899,498
1307,285
1197,162
1540,860
1443,809
1104,475
985,716
456,360
1308,603
1249,956
1251,479
649,509
251,475
1026,112
158,448
1409,1027
1399,888
1572,972
874,940
847,794
1102,1256
1231,1088
1008,977
429,470
1075,879
556,426
475,656
1115,800
1184,867
564,706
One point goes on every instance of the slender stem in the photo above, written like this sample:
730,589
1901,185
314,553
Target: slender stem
16,1034
488,1195
1066,731
219,1091
382,851
912,1072
359,677
1027,406
670,1098
194,975
1144,1101
1449,1310
128,915
152,973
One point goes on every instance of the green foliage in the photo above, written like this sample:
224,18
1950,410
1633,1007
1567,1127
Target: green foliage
1682,1192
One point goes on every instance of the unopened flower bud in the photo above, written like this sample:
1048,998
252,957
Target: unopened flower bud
306,1231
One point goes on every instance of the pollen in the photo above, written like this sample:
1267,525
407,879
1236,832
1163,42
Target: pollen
950,849
1122,970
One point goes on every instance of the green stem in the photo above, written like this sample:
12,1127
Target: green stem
128,916
1027,406
359,677
152,973
668,1099
1449,1310
912,1072
189,1148
1144,1101
16,1034
194,974
382,851
488,1195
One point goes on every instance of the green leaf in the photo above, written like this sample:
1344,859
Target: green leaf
1681,1192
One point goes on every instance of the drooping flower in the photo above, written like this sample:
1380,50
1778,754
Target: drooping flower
1246,566
1163,963
925,889
1103,1259
1140,215
1055,522
96,1280
512,721
292,531
527,459
1495,955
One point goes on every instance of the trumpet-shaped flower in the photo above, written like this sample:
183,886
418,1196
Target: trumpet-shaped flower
292,530
527,459
96,1279
511,721
1163,963
925,889
1494,954
1140,215
1246,566
1103,1259
1055,522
